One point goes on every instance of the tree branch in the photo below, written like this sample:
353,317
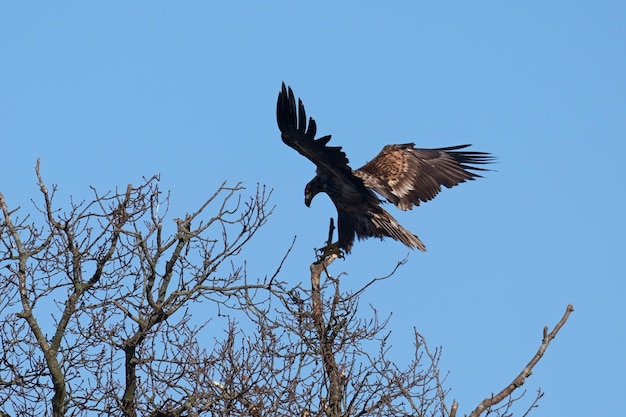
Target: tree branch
487,403
326,341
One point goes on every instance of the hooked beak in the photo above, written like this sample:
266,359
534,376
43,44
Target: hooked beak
308,197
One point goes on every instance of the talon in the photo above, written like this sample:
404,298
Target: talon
330,249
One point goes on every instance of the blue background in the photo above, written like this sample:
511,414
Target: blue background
108,92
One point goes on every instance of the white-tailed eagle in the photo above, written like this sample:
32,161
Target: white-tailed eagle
402,174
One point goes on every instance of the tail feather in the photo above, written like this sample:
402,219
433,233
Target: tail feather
385,225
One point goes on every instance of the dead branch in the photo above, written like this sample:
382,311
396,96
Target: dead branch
519,380
326,343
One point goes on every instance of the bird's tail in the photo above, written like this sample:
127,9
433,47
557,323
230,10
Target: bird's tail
385,225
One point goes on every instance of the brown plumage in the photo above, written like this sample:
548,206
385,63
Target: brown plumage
402,174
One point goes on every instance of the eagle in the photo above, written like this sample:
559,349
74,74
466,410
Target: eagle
402,174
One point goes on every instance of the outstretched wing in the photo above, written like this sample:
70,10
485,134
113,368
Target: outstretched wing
292,123
406,176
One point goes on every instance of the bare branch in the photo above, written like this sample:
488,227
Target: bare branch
519,380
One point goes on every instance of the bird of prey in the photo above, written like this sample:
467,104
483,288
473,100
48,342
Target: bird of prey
402,174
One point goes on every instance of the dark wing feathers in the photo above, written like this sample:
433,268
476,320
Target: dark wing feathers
402,174
406,176
292,123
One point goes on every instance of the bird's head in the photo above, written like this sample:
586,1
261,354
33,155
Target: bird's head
312,189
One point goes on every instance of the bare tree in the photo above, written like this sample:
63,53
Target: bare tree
107,308
342,366
106,280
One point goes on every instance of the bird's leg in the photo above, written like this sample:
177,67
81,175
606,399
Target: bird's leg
330,248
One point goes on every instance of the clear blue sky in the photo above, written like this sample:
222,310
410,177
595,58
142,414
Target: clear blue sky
108,92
